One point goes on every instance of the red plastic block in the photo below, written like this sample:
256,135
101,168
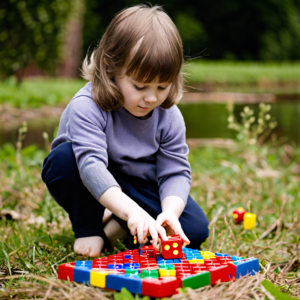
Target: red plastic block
66,271
171,248
238,215
158,288
221,274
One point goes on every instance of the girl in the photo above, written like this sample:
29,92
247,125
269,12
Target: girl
121,140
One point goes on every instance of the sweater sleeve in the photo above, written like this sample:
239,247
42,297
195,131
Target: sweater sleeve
86,132
173,168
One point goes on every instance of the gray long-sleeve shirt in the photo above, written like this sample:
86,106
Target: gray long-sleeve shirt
153,149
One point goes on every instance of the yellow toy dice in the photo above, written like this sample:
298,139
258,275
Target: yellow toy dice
249,220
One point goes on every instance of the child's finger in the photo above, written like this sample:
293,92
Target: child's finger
183,236
161,231
140,231
133,230
145,230
154,235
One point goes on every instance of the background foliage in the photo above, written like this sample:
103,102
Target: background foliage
232,29
255,30
34,32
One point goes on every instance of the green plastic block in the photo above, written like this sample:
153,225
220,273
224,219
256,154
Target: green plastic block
152,274
162,266
170,267
196,281
132,272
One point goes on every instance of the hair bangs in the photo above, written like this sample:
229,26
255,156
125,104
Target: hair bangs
155,60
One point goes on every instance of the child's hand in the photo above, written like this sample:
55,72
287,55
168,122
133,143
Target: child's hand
141,223
169,220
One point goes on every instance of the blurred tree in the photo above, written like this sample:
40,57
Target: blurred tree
231,29
31,31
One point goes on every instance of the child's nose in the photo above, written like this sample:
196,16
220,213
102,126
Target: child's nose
150,98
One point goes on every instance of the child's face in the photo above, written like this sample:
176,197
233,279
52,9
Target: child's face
139,98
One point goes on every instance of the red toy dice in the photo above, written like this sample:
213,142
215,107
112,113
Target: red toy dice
238,215
171,248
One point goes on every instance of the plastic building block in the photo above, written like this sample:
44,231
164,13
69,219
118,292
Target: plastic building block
238,215
66,271
196,281
116,282
158,288
171,248
247,267
133,272
166,273
151,275
82,274
98,278
249,220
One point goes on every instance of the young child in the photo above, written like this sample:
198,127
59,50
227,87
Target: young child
121,140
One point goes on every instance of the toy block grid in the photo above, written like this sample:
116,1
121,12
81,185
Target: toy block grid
147,273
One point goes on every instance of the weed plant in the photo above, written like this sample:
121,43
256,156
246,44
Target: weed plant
263,178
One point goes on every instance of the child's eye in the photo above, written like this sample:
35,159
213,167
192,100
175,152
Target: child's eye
138,88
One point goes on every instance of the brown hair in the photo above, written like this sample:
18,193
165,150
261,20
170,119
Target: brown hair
146,41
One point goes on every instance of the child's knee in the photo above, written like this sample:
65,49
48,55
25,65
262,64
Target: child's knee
60,164
198,237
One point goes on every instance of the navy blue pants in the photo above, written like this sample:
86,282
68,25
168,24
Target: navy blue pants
61,175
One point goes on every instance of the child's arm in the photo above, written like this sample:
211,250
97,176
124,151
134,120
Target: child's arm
138,220
174,173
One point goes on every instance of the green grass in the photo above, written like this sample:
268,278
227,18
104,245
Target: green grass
33,93
243,73
223,179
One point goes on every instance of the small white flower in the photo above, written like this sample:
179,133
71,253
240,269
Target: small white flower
230,119
246,109
260,121
268,117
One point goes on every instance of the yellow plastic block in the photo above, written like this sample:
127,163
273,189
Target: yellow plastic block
192,261
249,220
200,261
98,277
166,273
196,261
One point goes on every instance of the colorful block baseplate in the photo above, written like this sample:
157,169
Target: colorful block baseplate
147,273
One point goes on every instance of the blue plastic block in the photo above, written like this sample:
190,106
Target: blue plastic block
127,256
81,274
132,283
248,267
169,261
114,266
234,258
141,251
132,266
86,264
159,258
160,262
177,261
221,254
189,257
